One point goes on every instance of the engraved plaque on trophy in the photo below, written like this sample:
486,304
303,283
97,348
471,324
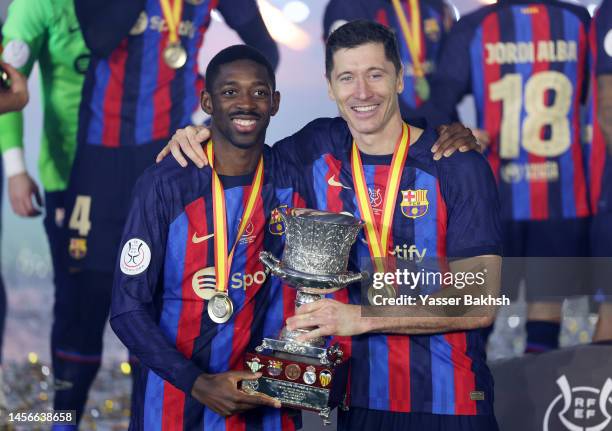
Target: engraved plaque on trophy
307,375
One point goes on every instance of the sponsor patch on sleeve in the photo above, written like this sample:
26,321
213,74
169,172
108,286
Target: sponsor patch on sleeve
16,53
135,257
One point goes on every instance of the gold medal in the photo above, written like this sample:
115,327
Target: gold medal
422,88
220,308
175,55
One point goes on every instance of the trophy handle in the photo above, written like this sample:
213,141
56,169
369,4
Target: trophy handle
351,277
271,263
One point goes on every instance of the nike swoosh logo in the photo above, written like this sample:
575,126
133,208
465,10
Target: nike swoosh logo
332,182
198,239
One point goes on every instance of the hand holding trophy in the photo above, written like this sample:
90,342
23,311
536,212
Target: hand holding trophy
307,375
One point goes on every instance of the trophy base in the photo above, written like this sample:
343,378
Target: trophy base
299,382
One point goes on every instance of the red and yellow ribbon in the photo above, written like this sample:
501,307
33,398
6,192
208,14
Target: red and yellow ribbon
378,236
172,15
223,260
412,33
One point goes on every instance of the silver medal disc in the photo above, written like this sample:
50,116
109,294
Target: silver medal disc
220,308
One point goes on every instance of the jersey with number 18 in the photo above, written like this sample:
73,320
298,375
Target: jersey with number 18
525,62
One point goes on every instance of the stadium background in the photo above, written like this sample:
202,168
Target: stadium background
26,263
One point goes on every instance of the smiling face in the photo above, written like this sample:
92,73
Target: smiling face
365,85
241,102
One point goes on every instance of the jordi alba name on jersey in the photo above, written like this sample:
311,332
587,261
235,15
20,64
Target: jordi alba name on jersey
527,71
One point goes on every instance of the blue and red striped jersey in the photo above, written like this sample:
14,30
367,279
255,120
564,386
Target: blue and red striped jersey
170,232
525,63
436,20
400,373
132,97
599,160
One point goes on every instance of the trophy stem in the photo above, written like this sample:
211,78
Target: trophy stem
303,297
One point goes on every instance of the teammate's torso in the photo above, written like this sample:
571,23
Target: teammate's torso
432,30
434,374
261,304
134,97
528,64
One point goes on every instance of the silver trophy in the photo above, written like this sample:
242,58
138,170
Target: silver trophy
307,375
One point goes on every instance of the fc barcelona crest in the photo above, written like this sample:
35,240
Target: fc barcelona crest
277,225
414,203
78,248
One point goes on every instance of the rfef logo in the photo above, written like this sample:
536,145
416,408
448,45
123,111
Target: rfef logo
580,408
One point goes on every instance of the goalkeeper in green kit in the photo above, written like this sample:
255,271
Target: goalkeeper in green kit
47,32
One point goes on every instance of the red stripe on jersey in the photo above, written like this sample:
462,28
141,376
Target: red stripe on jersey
111,124
538,189
162,100
172,408
381,173
598,145
191,311
465,379
196,255
441,216
244,317
286,423
381,17
580,188
298,201
399,382
235,423
334,203
492,110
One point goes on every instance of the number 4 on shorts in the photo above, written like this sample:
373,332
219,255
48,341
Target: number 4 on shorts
79,219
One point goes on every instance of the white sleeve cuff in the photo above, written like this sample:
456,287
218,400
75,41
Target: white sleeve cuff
14,162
